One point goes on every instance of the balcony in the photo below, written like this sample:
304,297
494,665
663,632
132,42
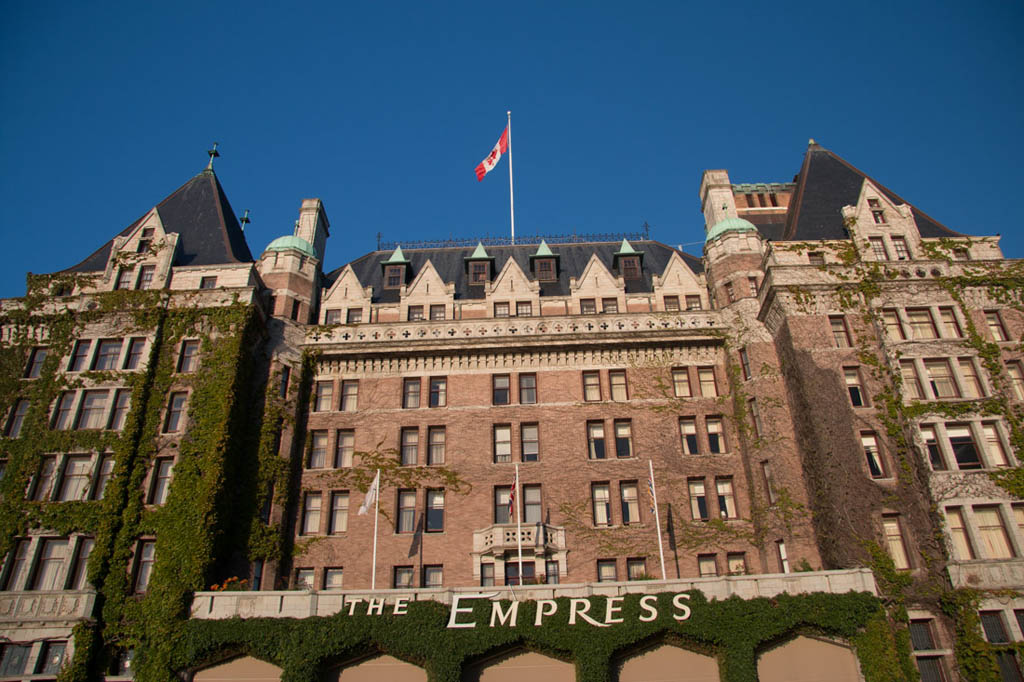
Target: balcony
46,607
988,575
502,537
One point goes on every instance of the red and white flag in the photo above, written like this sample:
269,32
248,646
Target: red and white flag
512,496
492,159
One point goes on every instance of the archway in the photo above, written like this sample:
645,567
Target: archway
806,659
244,668
518,665
668,663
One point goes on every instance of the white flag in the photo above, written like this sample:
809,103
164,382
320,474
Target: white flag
371,495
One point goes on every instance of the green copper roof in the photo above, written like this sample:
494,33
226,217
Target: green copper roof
292,242
626,249
397,258
730,225
480,253
543,251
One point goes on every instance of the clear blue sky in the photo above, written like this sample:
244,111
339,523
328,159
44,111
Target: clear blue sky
383,110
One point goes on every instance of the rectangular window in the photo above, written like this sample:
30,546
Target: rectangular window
108,352
500,389
745,363
333,578
726,501
304,578
531,504
332,316
693,303
623,438
995,325
50,561
950,326
965,450
617,380
588,306
636,569
672,304
893,532
878,248
433,576
79,567
994,627
92,412
411,393
606,572
17,419
393,276
435,445
911,383
16,566
486,575
74,480
175,413
688,432
630,503
816,258
994,445
595,440
853,387
311,505
501,309
962,548
730,292
971,380
591,386
706,377
122,402
899,245
1016,372
545,268
189,358
752,283
479,273
145,277
35,363
318,450
840,334
338,522
869,442
995,543
415,313
737,563
524,309
103,473
707,565
940,378
878,216
502,513
125,276
354,315
349,396
529,433
512,573
435,511
163,469
62,412
921,637
282,387
698,500
893,326
324,399
630,267
527,389
344,449
437,312
410,447
921,324
963,254
599,495
79,356
145,557
551,572
502,443
716,435
609,305
931,443
438,392
406,521
755,418
681,383
403,577
769,481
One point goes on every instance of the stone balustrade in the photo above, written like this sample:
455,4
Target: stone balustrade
46,607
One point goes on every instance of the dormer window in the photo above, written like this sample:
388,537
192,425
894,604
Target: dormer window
145,240
146,277
124,278
545,269
899,245
630,266
479,272
393,275
876,211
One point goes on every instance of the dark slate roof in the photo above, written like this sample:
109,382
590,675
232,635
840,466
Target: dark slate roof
199,212
450,264
825,184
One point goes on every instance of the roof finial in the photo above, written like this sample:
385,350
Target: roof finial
245,220
811,142
213,155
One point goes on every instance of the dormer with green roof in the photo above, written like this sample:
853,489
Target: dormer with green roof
544,263
396,269
479,265
628,261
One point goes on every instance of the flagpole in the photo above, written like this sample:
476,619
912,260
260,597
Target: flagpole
376,518
511,195
657,518
519,525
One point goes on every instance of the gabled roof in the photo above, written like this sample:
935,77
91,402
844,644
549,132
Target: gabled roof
573,259
825,184
207,229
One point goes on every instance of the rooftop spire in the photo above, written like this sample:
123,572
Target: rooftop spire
244,220
213,155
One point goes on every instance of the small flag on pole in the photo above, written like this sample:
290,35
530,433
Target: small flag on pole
371,495
492,159
650,489
512,496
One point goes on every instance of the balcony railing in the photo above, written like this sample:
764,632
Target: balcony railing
500,537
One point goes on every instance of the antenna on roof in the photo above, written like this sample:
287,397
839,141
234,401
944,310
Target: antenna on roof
213,155
245,220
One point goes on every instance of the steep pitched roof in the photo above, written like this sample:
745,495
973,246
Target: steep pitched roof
825,184
573,259
199,212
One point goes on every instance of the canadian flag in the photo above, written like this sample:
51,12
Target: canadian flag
492,159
